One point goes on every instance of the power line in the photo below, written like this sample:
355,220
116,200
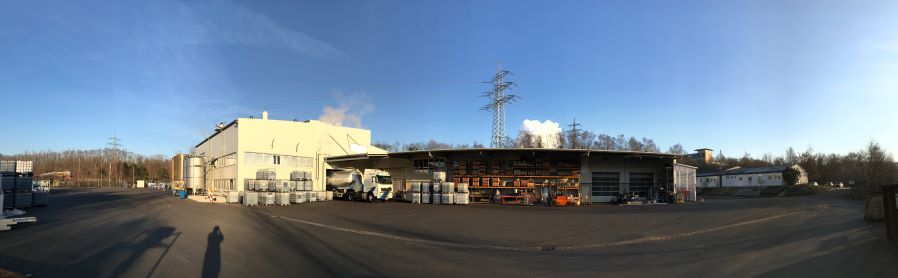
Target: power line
497,102
575,137
115,148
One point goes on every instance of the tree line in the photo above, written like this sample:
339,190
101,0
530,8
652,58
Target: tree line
867,168
566,139
101,167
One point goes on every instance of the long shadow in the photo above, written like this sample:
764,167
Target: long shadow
152,239
212,258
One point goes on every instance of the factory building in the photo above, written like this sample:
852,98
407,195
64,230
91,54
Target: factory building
592,175
747,177
236,152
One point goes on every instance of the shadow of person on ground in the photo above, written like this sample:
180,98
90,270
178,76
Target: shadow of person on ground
212,259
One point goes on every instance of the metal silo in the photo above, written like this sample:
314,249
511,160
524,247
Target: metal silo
177,169
193,173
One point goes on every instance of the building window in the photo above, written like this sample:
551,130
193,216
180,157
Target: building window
270,159
429,164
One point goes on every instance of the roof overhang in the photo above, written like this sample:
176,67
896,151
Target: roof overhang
354,157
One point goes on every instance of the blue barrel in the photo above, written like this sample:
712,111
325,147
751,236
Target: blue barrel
182,194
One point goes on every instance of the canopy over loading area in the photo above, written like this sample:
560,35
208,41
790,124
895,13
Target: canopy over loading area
593,175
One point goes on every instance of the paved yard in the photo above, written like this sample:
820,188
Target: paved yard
116,233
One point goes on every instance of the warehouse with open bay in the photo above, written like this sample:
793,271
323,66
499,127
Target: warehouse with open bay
266,155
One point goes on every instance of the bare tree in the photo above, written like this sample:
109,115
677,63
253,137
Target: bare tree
676,149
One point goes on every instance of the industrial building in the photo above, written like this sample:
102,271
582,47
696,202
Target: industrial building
747,177
232,158
594,176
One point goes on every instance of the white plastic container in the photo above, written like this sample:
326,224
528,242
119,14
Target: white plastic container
461,187
330,196
437,198
448,187
313,196
436,186
462,198
298,197
447,198
425,198
250,198
321,196
282,198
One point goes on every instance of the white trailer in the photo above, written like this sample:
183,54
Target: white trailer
355,185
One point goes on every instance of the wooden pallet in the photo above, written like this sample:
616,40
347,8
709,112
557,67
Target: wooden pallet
6,224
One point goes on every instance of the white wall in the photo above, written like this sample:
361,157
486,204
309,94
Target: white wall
744,180
710,181
310,139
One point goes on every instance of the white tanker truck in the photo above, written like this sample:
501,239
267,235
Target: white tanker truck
354,185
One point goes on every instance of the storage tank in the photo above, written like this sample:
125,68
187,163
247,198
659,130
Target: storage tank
177,168
193,173
341,178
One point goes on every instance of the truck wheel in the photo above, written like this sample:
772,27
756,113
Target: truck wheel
349,196
369,197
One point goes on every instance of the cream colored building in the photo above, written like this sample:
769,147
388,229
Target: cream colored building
246,145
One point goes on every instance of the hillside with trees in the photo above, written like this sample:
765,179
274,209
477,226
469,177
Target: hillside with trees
105,167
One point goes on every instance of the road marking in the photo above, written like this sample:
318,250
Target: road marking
543,248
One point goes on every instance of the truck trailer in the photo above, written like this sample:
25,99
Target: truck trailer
354,185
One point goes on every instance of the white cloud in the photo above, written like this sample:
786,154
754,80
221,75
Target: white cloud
547,131
349,111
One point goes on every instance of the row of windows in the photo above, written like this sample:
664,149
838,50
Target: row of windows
769,177
273,159
223,185
429,164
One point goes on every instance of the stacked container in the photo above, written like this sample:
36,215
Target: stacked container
17,183
282,198
298,197
23,200
266,174
447,198
250,198
39,199
462,195
266,198
233,197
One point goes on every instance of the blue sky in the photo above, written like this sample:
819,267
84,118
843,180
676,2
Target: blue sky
741,76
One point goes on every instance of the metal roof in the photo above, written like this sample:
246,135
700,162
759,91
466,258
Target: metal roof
745,171
513,150
217,131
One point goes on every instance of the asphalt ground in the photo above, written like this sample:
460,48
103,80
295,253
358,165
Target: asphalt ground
141,233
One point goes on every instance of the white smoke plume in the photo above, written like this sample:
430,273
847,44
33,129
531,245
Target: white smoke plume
547,131
349,111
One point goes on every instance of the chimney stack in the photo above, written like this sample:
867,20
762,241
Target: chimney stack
264,115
